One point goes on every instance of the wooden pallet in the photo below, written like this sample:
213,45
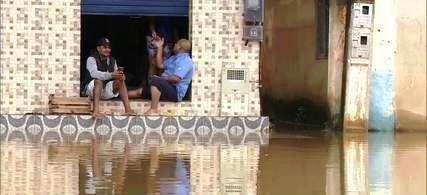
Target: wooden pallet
69,105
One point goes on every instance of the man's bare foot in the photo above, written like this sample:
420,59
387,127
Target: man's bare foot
98,115
152,112
131,113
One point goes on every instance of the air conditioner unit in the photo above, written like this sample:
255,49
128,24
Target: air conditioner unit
235,80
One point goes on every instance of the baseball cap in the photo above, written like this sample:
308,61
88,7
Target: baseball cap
103,42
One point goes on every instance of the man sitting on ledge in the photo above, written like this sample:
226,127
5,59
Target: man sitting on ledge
175,79
106,79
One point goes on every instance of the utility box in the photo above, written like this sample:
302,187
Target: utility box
362,15
361,39
253,33
253,20
360,43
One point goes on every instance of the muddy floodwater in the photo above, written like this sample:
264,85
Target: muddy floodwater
299,162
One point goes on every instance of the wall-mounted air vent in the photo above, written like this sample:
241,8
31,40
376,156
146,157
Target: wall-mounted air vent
235,80
238,75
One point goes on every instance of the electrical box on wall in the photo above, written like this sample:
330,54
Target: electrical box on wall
362,15
360,42
253,20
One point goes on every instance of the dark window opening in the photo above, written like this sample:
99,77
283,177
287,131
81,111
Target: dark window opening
365,10
364,40
127,35
322,29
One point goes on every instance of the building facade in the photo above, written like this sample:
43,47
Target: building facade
40,55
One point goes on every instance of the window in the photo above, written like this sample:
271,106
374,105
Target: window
322,26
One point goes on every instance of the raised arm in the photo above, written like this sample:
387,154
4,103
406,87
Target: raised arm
159,55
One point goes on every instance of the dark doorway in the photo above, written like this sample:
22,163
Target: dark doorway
127,35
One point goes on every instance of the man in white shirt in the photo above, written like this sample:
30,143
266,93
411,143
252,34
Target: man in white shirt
107,79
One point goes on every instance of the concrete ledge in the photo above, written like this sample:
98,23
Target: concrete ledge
134,129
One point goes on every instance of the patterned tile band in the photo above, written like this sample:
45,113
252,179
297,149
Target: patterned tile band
145,129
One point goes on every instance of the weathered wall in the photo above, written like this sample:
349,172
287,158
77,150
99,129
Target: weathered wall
382,76
336,56
410,83
293,80
40,55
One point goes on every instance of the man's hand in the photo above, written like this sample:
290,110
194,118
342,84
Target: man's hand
159,41
173,79
118,75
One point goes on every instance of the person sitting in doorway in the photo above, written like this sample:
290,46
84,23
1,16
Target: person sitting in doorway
106,80
173,83
159,27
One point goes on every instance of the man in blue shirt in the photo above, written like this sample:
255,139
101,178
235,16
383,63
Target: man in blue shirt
177,73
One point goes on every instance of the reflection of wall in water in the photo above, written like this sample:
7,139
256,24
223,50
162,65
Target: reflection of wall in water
224,170
30,170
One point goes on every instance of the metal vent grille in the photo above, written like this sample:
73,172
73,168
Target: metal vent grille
238,75
235,80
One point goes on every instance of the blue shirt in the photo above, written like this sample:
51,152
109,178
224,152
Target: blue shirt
180,65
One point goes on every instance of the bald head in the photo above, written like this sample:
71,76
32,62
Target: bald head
183,45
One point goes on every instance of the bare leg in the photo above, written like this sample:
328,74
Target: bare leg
98,84
121,87
135,93
155,98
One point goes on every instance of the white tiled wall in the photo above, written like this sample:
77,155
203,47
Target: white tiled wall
40,55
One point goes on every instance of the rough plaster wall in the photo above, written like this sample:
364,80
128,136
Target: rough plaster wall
290,70
411,65
40,53
337,26
382,76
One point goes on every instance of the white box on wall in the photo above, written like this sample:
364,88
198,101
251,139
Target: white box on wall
361,39
235,80
362,15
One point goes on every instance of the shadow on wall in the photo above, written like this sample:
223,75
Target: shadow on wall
300,112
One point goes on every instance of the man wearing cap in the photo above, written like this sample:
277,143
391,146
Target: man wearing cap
107,81
177,73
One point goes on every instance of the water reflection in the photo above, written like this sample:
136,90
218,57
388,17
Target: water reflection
301,163
121,168
30,169
294,163
380,159
355,145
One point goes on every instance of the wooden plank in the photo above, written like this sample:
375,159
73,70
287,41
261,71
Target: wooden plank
70,101
69,111
70,106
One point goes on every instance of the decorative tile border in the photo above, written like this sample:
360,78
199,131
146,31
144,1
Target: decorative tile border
134,129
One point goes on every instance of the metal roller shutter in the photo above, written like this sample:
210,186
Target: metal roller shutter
136,7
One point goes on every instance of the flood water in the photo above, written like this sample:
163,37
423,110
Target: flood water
293,163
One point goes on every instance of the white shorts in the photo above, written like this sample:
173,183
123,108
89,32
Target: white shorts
106,93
